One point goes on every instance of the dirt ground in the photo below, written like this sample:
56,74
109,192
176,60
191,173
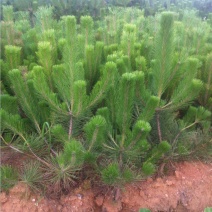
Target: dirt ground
187,188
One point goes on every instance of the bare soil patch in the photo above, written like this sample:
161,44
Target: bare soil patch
188,188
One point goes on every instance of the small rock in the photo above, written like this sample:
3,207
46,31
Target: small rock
15,201
59,207
149,180
178,174
155,201
169,182
156,185
72,198
159,180
3,198
110,206
79,196
99,200
142,195
78,190
189,183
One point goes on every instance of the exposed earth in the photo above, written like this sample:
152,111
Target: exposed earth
187,188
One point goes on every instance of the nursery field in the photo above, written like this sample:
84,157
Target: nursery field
106,110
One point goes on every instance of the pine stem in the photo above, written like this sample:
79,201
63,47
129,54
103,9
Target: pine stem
70,126
158,126
120,160
177,136
93,139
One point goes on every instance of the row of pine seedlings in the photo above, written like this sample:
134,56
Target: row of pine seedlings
112,100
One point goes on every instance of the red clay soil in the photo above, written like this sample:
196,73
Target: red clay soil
188,189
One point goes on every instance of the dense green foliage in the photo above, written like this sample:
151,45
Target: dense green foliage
118,95
8,176
98,8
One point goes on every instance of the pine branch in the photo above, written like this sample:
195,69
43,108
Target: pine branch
9,103
185,93
140,131
163,54
44,19
25,99
70,52
59,133
80,98
13,57
86,23
149,109
8,13
49,36
45,55
103,85
128,40
14,123
95,131
62,83
125,101
45,92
